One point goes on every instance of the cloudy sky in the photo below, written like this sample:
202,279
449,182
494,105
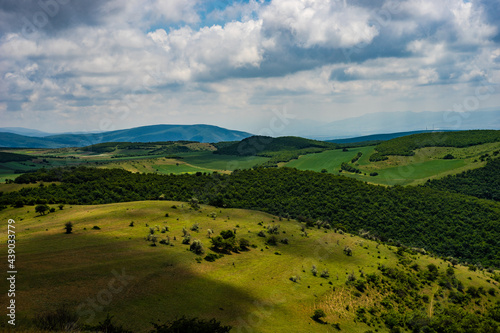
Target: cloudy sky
71,65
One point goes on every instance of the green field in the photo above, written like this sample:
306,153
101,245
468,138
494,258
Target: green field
250,290
329,160
222,162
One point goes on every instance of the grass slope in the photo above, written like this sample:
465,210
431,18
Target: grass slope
249,290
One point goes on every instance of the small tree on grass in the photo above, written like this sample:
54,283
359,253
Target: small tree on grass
61,207
318,315
347,251
41,209
314,270
69,227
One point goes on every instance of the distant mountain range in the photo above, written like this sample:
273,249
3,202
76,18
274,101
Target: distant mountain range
11,138
390,122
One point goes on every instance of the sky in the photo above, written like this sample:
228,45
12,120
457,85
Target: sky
98,65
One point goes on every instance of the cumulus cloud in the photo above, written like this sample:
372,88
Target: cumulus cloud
182,60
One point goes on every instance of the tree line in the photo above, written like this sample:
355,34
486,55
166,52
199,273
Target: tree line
445,223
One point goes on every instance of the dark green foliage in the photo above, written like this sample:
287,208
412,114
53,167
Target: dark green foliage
197,247
191,325
373,174
272,240
482,183
244,244
318,315
445,223
211,257
12,157
224,243
357,157
96,227
41,209
448,157
349,168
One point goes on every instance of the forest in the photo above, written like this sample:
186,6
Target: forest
482,183
444,223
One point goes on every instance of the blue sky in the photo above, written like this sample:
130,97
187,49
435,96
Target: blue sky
70,65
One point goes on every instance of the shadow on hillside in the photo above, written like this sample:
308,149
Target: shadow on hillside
136,283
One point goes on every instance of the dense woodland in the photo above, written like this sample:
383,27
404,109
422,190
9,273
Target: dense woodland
13,157
482,183
446,223
405,146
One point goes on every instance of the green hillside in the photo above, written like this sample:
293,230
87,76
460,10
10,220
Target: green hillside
481,183
405,146
415,216
107,266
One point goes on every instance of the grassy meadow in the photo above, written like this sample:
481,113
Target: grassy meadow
250,290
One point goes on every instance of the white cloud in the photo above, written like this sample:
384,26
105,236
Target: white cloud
320,23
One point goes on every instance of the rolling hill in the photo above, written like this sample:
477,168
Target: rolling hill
201,133
287,271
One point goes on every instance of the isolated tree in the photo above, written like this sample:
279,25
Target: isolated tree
347,251
318,315
41,209
61,207
210,233
195,227
69,227
314,270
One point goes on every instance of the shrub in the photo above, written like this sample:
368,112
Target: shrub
211,257
272,240
448,157
284,241
325,274
294,278
69,227
318,315
195,227
244,244
347,251
314,270
197,247
131,224
261,234
373,174
52,210
96,228
187,239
